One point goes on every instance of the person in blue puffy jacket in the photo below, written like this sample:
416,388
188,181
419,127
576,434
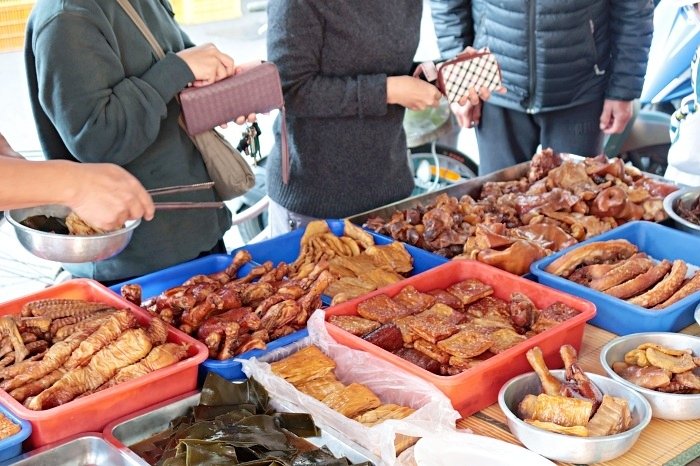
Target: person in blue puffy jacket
571,69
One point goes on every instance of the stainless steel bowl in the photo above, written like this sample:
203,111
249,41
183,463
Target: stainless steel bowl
566,448
68,248
671,202
677,407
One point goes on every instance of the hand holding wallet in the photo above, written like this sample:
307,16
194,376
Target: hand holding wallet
470,69
256,90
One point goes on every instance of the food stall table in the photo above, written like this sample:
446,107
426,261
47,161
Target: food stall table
668,443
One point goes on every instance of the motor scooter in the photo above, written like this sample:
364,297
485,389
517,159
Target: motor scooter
645,141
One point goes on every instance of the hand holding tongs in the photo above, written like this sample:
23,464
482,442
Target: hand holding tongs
184,205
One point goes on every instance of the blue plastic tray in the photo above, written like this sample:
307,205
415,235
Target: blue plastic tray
12,445
282,248
619,316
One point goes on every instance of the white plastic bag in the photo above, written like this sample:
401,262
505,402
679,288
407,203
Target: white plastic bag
434,411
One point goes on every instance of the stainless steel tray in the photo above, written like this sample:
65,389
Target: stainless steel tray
471,187
85,450
148,424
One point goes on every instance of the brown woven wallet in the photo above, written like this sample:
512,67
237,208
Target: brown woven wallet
257,90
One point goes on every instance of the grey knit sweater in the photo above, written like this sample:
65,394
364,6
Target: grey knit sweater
99,95
347,146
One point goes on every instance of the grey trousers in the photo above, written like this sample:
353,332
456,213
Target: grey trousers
283,221
507,137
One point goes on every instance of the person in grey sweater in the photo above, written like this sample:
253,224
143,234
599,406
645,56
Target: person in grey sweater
99,95
345,74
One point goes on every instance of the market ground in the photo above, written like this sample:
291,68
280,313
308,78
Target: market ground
244,39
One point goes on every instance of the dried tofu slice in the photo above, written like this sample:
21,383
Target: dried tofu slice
408,335
505,338
382,309
578,431
446,298
466,344
382,413
392,256
431,350
612,417
321,387
409,297
437,323
353,400
381,278
490,305
306,364
470,290
356,325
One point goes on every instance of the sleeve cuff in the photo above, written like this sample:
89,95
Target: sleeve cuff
371,94
169,76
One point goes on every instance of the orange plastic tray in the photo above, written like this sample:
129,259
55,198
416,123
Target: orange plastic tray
93,412
477,388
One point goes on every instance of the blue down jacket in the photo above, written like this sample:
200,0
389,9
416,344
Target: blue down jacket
554,54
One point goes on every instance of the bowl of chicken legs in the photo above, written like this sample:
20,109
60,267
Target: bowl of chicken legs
570,415
663,366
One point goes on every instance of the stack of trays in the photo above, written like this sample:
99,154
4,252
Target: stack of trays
619,316
284,248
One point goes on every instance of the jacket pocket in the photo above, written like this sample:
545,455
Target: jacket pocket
592,49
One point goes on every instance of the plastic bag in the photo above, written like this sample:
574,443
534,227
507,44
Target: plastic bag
434,411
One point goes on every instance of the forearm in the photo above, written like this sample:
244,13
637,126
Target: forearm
25,183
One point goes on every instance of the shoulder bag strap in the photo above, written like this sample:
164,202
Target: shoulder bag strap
138,21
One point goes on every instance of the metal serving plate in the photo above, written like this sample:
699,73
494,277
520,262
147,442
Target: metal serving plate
85,450
471,187
147,425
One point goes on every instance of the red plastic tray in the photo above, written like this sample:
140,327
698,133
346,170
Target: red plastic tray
477,388
93,412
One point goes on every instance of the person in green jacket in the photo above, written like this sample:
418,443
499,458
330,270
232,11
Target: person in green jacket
99,94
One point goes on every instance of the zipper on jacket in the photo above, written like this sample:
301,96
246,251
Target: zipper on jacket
531,56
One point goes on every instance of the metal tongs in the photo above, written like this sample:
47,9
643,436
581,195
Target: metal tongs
184,205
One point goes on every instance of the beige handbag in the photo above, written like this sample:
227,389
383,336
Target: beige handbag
230,172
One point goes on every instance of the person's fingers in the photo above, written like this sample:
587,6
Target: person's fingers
252,117
484,93
501,90
605,117
476,115
464,100
240,120
473,96
228,64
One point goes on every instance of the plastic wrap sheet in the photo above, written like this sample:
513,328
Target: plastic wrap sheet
434,412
